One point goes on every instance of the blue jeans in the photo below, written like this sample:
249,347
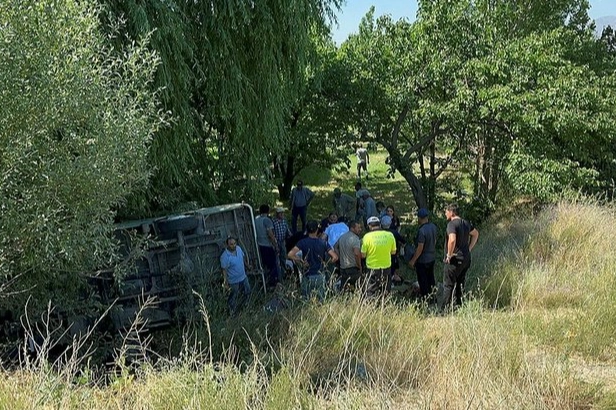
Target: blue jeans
313,285
238,296
300,211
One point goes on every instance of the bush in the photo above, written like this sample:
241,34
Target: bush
74,132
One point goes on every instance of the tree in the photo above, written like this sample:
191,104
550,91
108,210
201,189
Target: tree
230,72
608,37
471,84
77,120
318,130
399,86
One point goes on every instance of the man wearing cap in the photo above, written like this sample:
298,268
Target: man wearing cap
282,233
343,205
301,197
377,247
348,249
359,202
461,239
314,254
425,254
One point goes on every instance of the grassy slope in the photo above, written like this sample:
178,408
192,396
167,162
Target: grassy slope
539,334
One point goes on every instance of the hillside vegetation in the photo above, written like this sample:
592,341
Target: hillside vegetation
538,333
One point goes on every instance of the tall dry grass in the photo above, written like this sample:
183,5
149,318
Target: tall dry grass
559,272
545,305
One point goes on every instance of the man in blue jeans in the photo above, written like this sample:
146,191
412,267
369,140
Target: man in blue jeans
301,197
233,262
314,253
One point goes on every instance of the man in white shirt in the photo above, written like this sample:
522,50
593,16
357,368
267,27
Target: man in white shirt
363,159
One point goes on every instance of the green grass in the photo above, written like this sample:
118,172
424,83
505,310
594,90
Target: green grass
392,191
538,333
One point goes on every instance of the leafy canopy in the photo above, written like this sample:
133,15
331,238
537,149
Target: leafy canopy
77,120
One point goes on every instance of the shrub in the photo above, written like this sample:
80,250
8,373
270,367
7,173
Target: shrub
76,122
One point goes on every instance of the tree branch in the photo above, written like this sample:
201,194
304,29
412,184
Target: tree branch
435,132
501,126
398,125
453,154
447,162
418,146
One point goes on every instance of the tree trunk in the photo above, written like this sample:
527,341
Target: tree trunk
479,161
431,187
405,168
415,185
490,167
286,173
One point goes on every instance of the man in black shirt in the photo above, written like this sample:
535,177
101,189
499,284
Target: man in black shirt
461,239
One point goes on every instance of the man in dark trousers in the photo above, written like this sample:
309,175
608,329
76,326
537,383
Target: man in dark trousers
461,239
301,197
425,254
314,252
348,248
268,246
377,247
386,222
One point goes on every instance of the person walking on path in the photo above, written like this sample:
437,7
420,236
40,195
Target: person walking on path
424,258
234,262
363,160
301,197
314,254
377,247
348,249
268,246
461,239
343,205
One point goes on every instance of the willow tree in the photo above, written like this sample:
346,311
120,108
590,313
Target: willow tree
230,71
318,127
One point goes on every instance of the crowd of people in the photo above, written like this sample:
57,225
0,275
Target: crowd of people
336,246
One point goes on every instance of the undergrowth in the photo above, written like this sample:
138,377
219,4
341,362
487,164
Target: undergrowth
543,304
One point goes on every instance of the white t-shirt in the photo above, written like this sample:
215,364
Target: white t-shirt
362,154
